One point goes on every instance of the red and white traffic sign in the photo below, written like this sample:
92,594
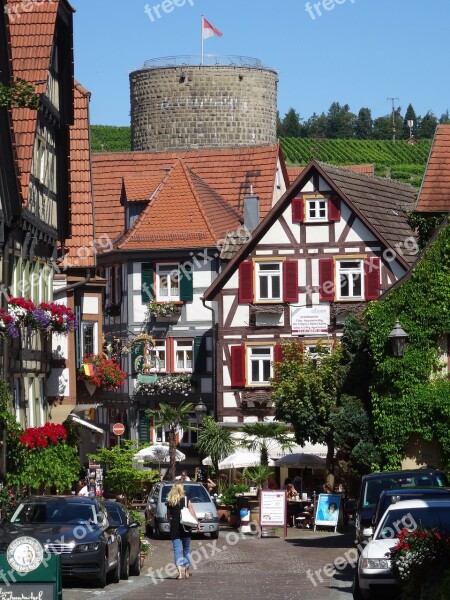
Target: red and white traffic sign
118,429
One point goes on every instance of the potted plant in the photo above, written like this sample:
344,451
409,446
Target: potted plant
145,547
228,502
101,371
163,309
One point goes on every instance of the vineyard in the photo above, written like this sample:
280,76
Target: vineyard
399,160
106,138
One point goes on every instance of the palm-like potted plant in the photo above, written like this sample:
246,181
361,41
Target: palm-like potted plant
259,437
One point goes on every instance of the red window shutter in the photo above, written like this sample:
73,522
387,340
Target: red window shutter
372,277
334,208
278,353
290,281
326,279
298,210
246,282
238,366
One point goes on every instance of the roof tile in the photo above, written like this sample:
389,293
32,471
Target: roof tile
434,195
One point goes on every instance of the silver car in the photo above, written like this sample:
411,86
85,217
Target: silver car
156,520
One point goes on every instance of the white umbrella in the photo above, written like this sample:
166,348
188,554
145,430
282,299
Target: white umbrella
240,459
301,460
157,453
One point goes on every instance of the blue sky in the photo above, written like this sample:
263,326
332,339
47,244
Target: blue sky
358,52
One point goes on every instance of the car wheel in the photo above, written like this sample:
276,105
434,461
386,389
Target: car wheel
125,571
115,575
215,535
135,568
156,532
357,593
100,581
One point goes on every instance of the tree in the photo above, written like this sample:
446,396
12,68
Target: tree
445,117
120,475
315,126
215,441
19,94
428,126
340,121
364,124
290,126
306,391
261,437
382,127
410,115
172,419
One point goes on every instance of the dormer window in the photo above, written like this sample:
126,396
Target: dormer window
316,209
134,210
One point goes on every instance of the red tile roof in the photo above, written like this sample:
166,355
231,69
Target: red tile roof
367,169
184,212
79,245
31,35
434,195
229,172
140,189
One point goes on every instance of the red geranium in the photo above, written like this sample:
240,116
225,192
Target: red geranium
40,437
103,372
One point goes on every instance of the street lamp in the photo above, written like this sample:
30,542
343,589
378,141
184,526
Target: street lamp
200,411
398,337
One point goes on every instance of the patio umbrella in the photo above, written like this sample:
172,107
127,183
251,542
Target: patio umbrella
158,453
301,460
240,459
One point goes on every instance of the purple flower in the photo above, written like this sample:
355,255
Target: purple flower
12,330
41,318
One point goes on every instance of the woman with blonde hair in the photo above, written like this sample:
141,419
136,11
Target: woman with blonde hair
180,534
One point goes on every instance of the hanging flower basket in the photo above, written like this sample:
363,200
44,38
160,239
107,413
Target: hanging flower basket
166,384
47,318
163,309
101,371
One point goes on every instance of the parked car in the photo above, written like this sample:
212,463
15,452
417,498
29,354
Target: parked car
130,543
388,497
75,527
374,575
156,521
372,485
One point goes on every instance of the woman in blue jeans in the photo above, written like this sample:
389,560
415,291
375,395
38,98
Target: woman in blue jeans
179,534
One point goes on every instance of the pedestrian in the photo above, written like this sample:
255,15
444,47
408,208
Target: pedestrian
180,534
183,477
210,484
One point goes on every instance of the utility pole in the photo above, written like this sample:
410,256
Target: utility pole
393,117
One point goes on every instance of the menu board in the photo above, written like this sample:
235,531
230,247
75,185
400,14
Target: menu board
272,508
327,512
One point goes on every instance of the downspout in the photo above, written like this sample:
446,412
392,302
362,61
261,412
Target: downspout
73,286
214,366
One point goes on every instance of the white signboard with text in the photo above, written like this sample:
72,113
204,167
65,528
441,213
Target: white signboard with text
272,508
310,320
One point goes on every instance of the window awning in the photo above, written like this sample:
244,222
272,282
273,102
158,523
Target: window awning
86,424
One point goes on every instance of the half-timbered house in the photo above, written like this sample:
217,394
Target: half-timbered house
334,241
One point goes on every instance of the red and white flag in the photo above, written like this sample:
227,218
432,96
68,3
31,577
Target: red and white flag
208,30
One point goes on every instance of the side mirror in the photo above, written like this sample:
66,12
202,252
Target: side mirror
151,501
134,524
367,532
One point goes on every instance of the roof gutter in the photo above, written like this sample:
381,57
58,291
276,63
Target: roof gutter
72,286
214,340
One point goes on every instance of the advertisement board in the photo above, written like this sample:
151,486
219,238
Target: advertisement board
310,320
272,512
327,512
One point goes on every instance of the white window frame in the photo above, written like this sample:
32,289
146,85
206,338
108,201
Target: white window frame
346,273
253,357
95,337
171,270
155,352
181,345
164,437
271,275
191,434
320,206
310,350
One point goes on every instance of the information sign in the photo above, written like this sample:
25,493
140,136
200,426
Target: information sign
272,508
310,320
327,512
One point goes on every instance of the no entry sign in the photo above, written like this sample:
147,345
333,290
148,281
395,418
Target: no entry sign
118,428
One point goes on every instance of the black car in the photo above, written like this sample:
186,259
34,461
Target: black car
130,543
372,485
75,527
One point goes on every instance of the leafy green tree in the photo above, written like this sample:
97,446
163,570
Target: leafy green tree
445,117
290,126
120,475
428,126
19,94
382,127
410,115
262,436
279,126
306,391
315,126
258,475
173,419
215,441
340,121
364,124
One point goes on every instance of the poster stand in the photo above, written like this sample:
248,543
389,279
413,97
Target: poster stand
272,510
327,511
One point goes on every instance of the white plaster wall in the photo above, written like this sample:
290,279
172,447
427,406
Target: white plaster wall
233,282
360,233
229,400
227,302
139,309
89,305
58,383
195,311
226,373
316,234
275,235
323,186
308,187
60,346
241,317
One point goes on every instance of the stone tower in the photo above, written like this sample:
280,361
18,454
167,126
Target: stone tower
178,105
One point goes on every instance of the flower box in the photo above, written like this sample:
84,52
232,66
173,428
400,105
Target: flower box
166,384
102,371
163,310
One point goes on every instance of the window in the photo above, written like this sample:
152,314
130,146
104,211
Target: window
190,435
317,209
88,338
260,364
168,282
184,354
157,355
349,276
316,350
268,281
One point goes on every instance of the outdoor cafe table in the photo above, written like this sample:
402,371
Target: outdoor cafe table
295,508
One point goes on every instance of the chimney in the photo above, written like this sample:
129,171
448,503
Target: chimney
251,211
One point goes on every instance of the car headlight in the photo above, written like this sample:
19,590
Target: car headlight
208,516
376,563
87,547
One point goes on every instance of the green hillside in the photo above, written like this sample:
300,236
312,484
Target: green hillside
399,160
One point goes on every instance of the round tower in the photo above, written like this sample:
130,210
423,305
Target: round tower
179,104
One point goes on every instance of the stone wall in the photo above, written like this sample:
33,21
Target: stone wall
178,108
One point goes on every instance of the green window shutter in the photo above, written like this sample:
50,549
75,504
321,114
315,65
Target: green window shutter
200,354
137,350
186,284
147,285
144,428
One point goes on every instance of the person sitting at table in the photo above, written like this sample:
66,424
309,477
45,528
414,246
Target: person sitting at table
291,493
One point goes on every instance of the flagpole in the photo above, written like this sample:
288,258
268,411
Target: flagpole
202,39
